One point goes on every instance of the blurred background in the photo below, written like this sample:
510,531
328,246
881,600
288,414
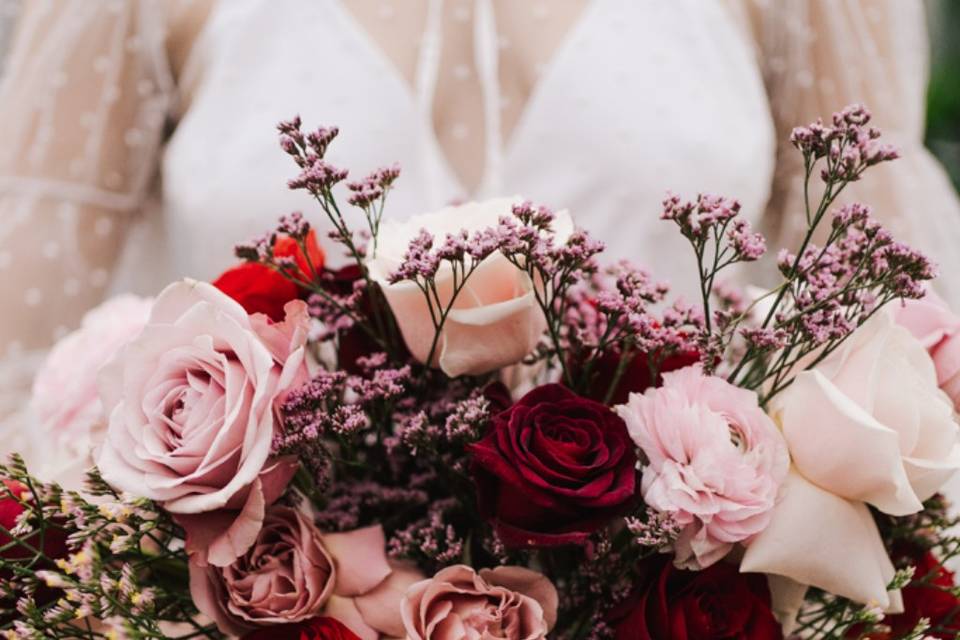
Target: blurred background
943,98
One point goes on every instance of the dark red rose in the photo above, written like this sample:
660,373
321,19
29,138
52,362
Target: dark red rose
54,540
635,377
553,468
718,603
312,629
260,289
926,597
352,343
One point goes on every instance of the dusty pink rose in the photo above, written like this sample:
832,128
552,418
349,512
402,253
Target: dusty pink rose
495,320
192,411
506,603
715,461
293,573
65,397
932,322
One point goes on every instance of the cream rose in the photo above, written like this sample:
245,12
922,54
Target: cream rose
868,426
495,319
192,403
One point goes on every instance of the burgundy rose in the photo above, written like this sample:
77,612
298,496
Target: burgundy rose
928,596
313,629
635,377
12,498
553,468
352,343
718,603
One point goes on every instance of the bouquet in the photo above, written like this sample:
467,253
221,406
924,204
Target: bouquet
476,430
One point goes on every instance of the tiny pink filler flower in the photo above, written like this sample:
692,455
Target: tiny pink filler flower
715,461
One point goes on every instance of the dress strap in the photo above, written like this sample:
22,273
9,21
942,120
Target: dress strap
487,59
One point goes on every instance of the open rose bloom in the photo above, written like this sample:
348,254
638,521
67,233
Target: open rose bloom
293,573
495,319
192,404
868,426
506,603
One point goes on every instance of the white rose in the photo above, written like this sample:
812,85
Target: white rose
495,319
868,426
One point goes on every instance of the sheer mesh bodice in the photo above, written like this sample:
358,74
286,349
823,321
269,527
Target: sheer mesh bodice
595,105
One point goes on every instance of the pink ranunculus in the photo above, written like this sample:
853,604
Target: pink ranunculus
293,573
715,461
495,320
506,603
932,322
192,405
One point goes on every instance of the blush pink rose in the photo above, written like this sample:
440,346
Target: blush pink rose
192,404
293,573
932,322
495,320
65,397
715,461
506,603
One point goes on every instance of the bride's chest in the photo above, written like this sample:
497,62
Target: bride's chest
637,97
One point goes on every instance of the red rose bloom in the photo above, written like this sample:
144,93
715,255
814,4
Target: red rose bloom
636,375
54,542
312,629
718,603
260,289
553,468
926,597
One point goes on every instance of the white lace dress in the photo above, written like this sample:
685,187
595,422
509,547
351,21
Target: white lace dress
118,173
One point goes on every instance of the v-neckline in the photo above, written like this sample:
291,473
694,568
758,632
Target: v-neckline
539,88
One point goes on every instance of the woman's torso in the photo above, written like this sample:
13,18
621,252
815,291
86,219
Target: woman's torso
637,98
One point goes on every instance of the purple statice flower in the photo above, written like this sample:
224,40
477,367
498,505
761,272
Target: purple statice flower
849,145
317,176
381,383
355,504
431,540
656,529
294,225
420,262
747,245
765,338
696,219
365,192
258,249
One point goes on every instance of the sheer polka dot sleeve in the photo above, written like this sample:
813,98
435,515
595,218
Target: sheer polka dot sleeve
820,55
82,107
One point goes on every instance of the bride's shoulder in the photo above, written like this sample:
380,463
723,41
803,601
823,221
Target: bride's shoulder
185,20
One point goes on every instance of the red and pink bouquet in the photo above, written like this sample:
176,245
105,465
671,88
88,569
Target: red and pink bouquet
475,430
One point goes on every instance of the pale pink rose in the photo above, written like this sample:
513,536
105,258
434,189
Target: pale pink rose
506,603
932,322
867,426
495,320
192,404
293,572
65,396
715,461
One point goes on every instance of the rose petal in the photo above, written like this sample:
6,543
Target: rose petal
361,559
820,539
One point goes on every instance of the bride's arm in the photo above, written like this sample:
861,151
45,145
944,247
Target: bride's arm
820,55
82,110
